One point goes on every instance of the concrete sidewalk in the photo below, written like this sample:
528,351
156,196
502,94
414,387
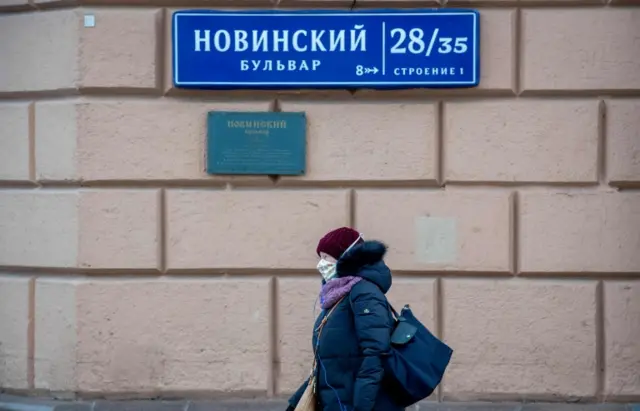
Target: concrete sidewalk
15,403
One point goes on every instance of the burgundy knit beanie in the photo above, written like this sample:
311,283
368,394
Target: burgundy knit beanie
336,242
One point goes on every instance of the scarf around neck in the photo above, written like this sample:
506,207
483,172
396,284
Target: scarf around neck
335,289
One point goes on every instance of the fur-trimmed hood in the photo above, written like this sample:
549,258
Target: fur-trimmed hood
366,260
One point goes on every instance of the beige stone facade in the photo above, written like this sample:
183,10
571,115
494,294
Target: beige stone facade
512,210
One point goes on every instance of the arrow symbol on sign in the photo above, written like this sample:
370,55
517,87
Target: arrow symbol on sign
369,70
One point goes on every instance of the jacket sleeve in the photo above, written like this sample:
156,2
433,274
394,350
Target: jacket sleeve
373,327
295,398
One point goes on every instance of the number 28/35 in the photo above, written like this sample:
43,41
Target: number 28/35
418,45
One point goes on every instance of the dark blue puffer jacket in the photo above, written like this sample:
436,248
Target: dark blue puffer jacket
356,338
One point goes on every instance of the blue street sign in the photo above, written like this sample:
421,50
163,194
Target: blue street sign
325,49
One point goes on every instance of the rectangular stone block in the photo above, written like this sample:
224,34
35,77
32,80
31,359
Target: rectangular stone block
250,229
14,331
579,232
10,5
521,141
524,3
520,338
468,406
141,405
153,335
276,404
298,307
580,49
623,141
56,141
40,228
576,407
497,48
339,3
147,3
622,338
438,230
14,141
118,52
125,140
33,61
56,334
119,229
121,51
86,228
369,140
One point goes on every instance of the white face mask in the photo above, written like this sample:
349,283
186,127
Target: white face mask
327,269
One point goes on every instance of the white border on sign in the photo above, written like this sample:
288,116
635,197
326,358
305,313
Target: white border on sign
319,83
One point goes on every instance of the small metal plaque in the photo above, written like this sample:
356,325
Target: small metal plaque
262,143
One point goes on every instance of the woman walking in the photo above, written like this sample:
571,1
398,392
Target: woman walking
352,335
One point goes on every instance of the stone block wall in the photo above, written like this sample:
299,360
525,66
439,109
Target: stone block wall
512,210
